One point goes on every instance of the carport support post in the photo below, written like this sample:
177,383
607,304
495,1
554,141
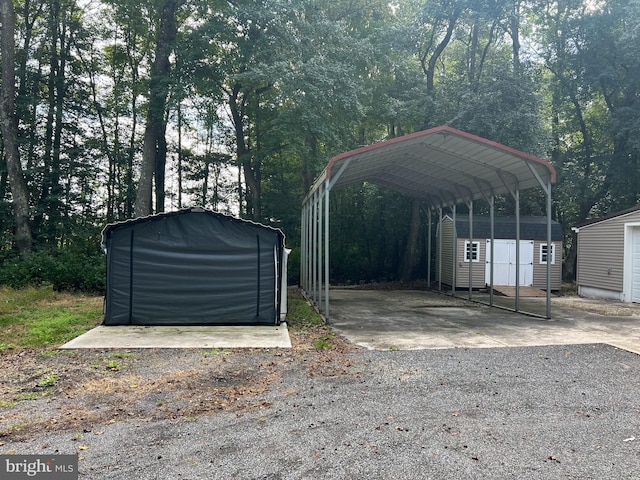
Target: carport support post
320,247
548,192
307,247
309,244
492,247
326,250
470,204
303,245
517,198
314,249
429,248
440,250
546,186
455,251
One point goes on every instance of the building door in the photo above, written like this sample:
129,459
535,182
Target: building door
504,266
635,265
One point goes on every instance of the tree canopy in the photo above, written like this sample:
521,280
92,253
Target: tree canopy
115,109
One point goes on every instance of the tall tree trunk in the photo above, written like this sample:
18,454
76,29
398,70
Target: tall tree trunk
411,254
179,155
515,38
9,125
154,147
250,169
429,59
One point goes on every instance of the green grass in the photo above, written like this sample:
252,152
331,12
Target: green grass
303,319
301,316
41,318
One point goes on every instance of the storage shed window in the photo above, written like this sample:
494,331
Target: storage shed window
471,250
544,253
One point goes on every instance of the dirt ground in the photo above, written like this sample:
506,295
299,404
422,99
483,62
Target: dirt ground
84,389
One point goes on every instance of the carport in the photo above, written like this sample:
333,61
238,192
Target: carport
442,166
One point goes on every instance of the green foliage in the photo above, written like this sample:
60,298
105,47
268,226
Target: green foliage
302,319
49,379
369,231
64,270
301,316
293,264
270,90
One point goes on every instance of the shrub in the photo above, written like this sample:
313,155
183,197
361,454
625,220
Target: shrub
64,270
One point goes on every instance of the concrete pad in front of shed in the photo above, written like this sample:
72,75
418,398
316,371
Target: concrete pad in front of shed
133,336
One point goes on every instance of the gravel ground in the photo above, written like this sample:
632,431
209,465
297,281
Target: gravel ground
562,412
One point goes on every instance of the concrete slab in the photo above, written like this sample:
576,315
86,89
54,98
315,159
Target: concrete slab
183,337
409,320
523,292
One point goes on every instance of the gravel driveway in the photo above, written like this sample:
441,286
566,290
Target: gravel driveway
568,412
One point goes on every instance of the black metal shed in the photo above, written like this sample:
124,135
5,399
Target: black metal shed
194,267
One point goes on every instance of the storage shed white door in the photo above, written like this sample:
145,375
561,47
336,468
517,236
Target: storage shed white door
504,266
635,266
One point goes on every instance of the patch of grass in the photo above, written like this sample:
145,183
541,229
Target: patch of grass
121,355
15,300
7,403
324,342
214,352
55,353
307,326
113,365
41,318
6,347
24,396
49,379
301,316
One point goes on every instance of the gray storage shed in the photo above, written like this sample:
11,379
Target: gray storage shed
477,252
608,262
194,267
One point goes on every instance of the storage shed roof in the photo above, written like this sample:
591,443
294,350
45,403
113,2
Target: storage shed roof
531,227
607,217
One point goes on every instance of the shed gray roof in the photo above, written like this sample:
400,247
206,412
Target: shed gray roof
531,227
608,217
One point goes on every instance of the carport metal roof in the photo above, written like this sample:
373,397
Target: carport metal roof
442,166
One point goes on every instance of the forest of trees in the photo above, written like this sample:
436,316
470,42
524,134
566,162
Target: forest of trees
112,109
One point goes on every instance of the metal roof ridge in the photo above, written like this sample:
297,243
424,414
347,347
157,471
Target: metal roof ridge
113,225
443,129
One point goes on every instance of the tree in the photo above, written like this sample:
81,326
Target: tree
154,149
591,55
9,125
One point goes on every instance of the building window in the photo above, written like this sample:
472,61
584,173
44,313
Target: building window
471,250
543,253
